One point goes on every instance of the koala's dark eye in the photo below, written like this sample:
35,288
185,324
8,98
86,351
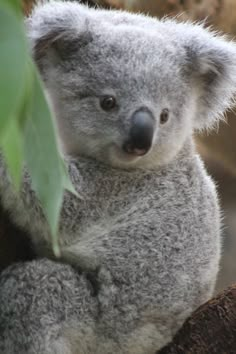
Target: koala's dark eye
108,103
164,116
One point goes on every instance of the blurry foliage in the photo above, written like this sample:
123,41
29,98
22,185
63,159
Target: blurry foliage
26,127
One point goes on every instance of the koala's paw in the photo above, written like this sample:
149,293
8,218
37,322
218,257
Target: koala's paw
107,287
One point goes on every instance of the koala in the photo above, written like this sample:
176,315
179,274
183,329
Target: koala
140,247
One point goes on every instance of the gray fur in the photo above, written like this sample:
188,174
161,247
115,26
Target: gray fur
144,233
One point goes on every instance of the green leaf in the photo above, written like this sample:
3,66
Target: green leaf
26,125
13,64
12,146
26,104
14,5
12,139
67,184
43,159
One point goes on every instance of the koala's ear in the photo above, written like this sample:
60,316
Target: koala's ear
212,64
56,30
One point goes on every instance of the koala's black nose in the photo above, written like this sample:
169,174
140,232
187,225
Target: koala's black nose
141,133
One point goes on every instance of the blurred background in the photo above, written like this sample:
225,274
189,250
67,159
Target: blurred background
218,149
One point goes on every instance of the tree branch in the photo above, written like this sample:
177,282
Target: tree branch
210,330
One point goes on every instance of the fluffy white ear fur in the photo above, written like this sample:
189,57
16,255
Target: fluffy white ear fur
55,27
212,62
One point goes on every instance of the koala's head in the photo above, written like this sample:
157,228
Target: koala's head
127,89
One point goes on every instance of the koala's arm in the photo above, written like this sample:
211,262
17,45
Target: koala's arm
40,303
124,245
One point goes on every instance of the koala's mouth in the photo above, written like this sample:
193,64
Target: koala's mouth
126,155
134,151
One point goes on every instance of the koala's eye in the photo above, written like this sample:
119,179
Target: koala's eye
164,116
108,103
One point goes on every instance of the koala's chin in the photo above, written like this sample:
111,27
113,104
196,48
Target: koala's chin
118,158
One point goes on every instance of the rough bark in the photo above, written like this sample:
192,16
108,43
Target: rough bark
210,330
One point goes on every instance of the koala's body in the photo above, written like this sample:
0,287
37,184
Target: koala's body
128,92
